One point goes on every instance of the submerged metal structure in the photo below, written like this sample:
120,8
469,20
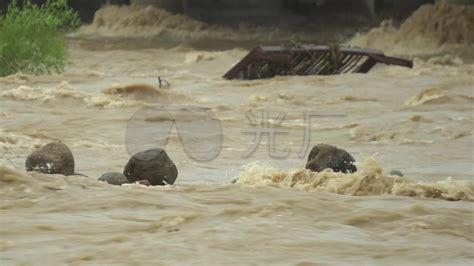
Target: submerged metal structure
270,61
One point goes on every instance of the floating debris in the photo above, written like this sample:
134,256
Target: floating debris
270,61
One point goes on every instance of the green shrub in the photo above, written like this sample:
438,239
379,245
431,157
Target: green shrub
32,37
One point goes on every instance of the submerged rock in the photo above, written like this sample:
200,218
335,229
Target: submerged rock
114,178
396,172
153,165
53,158
324,156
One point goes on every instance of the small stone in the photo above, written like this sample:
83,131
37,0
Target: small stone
53,158
324,156
114,178
153,165
396,172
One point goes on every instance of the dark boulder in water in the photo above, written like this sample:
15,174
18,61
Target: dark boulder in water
114,178
153,165
324,156
53,158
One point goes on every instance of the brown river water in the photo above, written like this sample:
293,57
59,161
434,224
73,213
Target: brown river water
419,121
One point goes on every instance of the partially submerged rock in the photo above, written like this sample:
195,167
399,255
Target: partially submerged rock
324,156
396,172
153,165
53,158
114,178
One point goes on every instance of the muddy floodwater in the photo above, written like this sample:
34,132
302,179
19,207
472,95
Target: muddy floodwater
419,121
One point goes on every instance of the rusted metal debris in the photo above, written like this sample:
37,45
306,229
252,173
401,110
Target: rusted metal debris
270,61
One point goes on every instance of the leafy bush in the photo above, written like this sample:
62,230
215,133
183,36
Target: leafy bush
32,37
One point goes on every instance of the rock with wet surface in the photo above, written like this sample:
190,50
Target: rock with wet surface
114,178
153,165
324,156
53,158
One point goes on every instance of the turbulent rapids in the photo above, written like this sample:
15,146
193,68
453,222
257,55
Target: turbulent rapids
369,181
419,121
